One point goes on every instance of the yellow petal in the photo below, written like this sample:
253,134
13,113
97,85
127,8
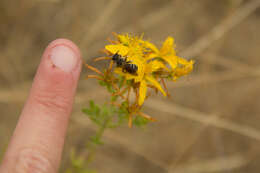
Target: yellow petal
151,46
151,56
155,65
171,60
186,68
118,70
124,39
185,64
168,46
135,51
142,92
117,48
182,61
156,84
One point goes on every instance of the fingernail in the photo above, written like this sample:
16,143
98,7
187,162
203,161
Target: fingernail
64,58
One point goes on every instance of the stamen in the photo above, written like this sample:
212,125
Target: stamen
128,94
136,96
110,66
146,116
120,92
115,104
105,51
148,95
102,58
153,87
112,41
94,77
114,34
93,69
165,87
130,121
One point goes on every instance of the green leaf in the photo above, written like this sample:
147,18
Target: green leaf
96,140
87,111
91,104
102,83
113,125
114,98
105,111
122,118
124,104
121,81
140,121
76,161
110,88
96,110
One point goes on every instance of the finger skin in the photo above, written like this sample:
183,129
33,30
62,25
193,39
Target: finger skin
37,143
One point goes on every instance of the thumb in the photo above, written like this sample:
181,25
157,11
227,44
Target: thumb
37,142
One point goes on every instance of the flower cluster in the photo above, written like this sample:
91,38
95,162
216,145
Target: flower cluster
154,66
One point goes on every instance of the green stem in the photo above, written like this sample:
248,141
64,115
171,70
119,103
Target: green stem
92,147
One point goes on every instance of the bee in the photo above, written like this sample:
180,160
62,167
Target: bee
124,64
119,60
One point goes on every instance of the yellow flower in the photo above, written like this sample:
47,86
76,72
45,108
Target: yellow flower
150,66
150,60
184,68
155,65
143,78
179,66
167,52
133,48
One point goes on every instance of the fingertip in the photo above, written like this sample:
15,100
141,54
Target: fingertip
64,54
66,42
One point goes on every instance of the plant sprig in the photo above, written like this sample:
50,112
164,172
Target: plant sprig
141,68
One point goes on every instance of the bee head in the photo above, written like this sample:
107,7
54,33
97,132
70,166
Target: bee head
116,56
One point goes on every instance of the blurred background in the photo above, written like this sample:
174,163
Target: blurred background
210,124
